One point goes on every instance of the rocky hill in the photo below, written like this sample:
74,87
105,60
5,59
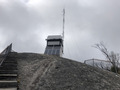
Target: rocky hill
43,72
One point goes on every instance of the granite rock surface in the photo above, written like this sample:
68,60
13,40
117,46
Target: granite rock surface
43,72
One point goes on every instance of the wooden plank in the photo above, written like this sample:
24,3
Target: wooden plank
8,68
8,71
8,77
8,84
8,88
8,74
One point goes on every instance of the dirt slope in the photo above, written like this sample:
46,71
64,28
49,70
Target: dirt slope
42,72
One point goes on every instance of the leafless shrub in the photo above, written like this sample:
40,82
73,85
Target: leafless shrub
112,57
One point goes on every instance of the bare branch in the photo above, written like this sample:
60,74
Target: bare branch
112,57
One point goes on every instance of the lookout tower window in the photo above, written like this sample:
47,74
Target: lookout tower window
53,42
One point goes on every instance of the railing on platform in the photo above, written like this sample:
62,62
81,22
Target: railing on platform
99,63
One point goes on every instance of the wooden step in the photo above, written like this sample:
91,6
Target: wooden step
8,81
8,74
8,68
5,64
8,88
10,59
8,71
9,65
8,84
8,77
10,62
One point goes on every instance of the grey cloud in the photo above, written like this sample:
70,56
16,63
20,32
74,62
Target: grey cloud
87,23
18,24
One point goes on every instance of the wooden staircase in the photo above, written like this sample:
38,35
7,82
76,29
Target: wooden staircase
8,74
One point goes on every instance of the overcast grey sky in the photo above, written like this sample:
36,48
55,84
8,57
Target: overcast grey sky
27,23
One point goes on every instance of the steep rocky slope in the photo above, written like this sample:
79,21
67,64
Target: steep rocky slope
43,72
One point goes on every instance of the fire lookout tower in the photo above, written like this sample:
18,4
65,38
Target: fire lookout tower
55,42
54,45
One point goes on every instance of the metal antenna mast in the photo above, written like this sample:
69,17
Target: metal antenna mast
63,21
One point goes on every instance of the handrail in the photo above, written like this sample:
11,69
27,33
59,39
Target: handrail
5,53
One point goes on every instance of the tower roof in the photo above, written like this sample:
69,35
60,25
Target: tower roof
54,37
